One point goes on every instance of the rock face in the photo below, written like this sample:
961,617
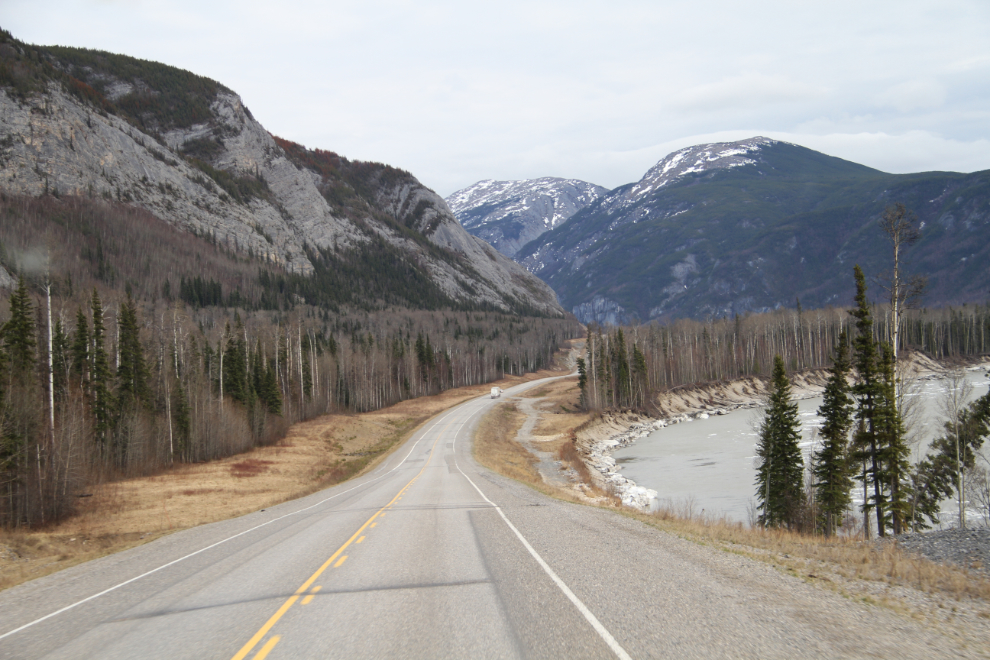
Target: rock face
224,175
509,214
728,228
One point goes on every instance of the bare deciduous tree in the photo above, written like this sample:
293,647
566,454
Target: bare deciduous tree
901,228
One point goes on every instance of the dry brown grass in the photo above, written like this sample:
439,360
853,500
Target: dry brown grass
495,446
314,455
815,557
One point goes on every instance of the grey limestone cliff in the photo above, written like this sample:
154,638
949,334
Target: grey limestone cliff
55,142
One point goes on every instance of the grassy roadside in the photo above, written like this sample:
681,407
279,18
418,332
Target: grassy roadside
314,455
873,572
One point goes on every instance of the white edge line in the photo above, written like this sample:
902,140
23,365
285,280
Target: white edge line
582,608
222,541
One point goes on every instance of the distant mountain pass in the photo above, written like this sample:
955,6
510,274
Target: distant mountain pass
727,228
509,214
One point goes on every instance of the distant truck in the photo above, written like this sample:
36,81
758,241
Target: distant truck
496,392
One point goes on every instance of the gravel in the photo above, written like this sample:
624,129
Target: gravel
969,548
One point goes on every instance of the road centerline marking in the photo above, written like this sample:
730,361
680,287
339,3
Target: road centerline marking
266,649
287,605
117,586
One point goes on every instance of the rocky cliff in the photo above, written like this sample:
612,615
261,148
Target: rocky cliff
75,122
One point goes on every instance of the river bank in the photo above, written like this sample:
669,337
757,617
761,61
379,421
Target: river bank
612,431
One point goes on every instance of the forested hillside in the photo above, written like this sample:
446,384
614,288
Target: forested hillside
166,346
723,229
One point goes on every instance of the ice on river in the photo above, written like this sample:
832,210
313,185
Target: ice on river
710,463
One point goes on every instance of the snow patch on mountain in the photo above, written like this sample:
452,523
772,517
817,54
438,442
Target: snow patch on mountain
691,160
509,214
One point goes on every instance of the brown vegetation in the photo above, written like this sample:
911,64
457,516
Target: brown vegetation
116,515
212,380
815,557
496,448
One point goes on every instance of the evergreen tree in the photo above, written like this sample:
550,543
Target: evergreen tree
60,358
132,375
639,376
307,372
833,478
235,383
18,333
779,478
620,367
867,391
80,346
271,395
582,382
102,400
181,418
894,452
937,477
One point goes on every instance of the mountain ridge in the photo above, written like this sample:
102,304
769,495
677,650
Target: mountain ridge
760,224
187,149
509,214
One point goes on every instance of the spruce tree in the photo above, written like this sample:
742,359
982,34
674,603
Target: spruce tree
102,401
894,451
181,418
132,375
18,333
235,372
833,478
272,396
80,346
60,358
307,372
867,391
780,478
582,382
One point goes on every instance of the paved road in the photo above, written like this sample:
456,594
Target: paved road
431,556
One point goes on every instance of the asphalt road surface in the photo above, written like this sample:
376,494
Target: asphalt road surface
432,556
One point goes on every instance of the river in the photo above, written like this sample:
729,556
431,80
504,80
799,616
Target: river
709,464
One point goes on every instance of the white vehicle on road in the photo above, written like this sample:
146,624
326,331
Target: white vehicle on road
496,392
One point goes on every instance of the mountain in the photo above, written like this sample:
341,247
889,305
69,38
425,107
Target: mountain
187,149
509,214
754,225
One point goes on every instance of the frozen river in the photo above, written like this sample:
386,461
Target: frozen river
710,462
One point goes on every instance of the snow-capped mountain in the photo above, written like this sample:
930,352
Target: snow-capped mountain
727,228
509,214
697,159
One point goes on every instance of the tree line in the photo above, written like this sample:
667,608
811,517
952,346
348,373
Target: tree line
105,386
864,439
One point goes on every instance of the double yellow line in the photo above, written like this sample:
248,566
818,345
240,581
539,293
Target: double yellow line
258,636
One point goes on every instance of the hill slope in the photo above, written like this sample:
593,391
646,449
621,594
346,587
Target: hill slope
753,225
509,214
186,148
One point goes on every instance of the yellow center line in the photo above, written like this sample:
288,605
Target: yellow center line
359,540
340,561
266,649
312,594
373,524
258,636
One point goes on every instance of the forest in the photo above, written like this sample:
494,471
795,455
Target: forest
867,414
128,345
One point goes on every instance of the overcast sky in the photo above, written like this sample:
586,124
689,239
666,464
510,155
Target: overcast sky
456,92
